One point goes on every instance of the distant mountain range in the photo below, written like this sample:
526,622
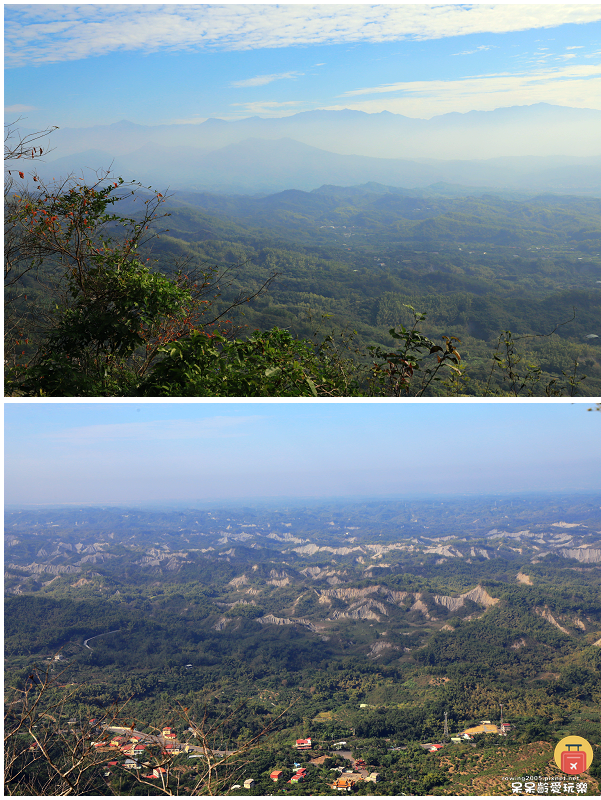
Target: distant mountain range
537,130
532,148
258,166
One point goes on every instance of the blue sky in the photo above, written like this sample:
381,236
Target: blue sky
80,65
147,452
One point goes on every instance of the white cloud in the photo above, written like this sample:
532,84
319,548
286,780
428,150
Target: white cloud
477,50
36,34
429,87
18,109
575,86
263,80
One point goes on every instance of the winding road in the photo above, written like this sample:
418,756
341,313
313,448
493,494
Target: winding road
98,635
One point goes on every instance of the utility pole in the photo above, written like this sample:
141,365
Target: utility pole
501,707
446,726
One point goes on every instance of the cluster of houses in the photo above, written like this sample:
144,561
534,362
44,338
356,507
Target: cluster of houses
345,782
299,775
136,744
348,780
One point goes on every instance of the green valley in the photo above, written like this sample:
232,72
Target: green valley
364,623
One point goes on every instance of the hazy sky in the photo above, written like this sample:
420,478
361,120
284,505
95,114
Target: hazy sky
79,65
144,452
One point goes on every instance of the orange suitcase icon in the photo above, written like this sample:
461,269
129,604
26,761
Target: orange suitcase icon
573,762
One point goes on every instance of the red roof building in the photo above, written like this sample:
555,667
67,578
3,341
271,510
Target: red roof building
303,744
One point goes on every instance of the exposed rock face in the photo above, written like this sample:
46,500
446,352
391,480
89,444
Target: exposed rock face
278,578
578,623
175,564
80,582
380,550
270,619
419,605
597,643
477,595
287,537
545,613
154,558
82,548
221,623
452,603
396,597
449,552
53,569
351,593
378,647
524,578
519,643
587,555
314,572
239,581
147,561
363,611
565,525
481,596
311,549
96,558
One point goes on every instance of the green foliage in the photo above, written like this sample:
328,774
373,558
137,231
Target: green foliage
394,373
248,611
98,321
87,351
268,364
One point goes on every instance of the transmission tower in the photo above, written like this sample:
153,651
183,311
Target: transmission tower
446,725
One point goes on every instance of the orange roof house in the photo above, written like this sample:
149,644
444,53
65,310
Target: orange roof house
343,784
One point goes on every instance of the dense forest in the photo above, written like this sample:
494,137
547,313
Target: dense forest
369,290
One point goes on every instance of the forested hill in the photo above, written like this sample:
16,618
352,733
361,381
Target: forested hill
476,265
482,215
511,284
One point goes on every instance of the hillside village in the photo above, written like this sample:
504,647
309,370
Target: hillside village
130,749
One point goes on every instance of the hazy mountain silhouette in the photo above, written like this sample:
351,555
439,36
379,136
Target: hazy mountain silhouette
536,130
267,166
